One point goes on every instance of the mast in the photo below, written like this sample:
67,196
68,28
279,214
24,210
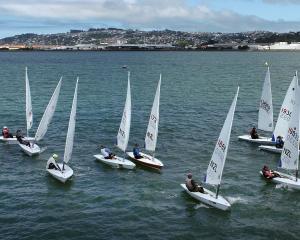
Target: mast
297,86
265,113
152,129
124,129
28,108
218,189
289,158
216,165
71,129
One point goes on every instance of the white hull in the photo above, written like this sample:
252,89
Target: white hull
61,176
287,180
14,140
117,162
147,160
34,149
209,198
260,140
272,149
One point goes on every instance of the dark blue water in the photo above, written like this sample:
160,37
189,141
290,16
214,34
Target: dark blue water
104,203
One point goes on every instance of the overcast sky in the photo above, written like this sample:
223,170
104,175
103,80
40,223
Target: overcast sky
52,16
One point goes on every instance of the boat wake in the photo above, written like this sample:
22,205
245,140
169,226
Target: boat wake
43,149
171,196
201,206
283,186
233,200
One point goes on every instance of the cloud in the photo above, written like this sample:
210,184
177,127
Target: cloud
143,14
282,2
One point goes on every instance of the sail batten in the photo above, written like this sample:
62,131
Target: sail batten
124,129
29,115
265,114
290,153
48,114
71,128
216,165
152,130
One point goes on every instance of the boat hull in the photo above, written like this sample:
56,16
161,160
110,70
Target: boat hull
208,198
117,162
260,140
61,176
147,161
14,140
286,179
271,149
34,149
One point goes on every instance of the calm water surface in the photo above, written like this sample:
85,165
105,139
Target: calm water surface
104,203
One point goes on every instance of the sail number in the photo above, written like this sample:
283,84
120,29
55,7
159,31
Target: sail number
264,105
222,145
213,165
287,152
153,118
293,132
150,135
122,132
285,114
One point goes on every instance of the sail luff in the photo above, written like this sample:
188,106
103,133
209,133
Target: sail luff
216,165
265,114
152,129
124,129
48,114
29,115
71,128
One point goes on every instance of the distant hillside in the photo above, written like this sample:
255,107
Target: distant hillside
100,36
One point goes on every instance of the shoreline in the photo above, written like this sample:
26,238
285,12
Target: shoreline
145,50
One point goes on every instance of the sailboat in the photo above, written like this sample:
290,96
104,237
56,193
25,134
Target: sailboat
34,149
65,172
289,159
29,116
151,136
122,137
216,165
283,117
265,113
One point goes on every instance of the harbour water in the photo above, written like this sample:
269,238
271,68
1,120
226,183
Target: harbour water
104,203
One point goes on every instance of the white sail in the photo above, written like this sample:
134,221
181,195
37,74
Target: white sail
265,114
152,130
124,130
290,153
285,112
71,128
217,162
48,114
29,116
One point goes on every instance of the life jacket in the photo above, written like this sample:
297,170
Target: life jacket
51,160
105,152
136,152
5,133
267,173
189,185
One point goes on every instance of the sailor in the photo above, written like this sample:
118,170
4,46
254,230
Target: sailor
268,173
279,142
51,164
136,152
20,138
191,185
6,133
106,152
253,133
